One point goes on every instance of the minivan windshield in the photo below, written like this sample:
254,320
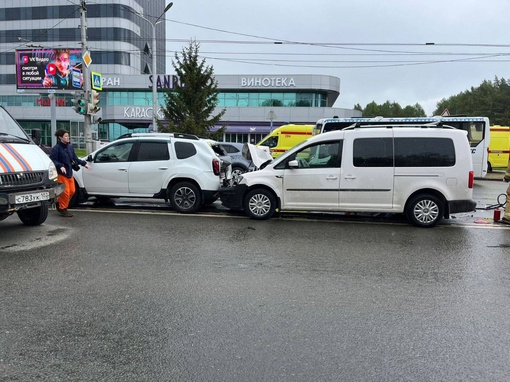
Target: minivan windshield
9,128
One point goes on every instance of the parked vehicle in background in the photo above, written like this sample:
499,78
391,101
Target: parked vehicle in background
240,164
285,137
499,147
422,171
477,129
28,177
179,168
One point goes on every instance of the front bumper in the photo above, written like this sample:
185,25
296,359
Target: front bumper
8,201
232,197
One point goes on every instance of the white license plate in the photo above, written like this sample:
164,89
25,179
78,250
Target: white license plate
35,197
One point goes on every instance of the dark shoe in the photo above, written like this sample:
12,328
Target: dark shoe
65,213
504,221
57,207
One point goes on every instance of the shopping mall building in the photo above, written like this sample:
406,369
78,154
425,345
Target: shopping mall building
119,41
254,105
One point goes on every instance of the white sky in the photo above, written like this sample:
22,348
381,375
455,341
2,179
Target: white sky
377,48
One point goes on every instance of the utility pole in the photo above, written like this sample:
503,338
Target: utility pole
86,77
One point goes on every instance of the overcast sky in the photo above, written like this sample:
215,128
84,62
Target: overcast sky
378,49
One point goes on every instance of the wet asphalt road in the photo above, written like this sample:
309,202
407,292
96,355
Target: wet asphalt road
133,295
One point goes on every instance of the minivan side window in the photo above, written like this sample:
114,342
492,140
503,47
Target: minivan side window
424,152
321,155
373,152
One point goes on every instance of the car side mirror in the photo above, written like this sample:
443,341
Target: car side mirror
89,158
293,163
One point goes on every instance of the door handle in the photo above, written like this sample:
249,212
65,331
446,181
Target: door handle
350,177
162,168
123,169
331,177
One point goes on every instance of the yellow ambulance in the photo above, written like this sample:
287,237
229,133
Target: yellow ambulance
499,147
285,137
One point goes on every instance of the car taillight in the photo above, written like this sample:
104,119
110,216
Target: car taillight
471,180
216,166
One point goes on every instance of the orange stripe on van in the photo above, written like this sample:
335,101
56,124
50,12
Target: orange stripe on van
5,165
17,156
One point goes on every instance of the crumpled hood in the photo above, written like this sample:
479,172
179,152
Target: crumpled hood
259,155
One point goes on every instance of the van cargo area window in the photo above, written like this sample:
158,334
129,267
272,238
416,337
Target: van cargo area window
424,152
373,152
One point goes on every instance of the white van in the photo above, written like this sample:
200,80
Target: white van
425,174
28,178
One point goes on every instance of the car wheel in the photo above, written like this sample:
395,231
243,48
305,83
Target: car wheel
259,204
34,216
425,211
185,197
236,171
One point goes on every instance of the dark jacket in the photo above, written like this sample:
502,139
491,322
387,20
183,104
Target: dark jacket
62,155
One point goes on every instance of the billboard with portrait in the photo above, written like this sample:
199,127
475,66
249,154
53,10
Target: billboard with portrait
59,69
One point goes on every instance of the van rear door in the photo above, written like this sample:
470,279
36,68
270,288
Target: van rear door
366,182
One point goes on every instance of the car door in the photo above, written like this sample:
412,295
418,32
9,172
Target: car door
367,177
108,174
149,168
314,184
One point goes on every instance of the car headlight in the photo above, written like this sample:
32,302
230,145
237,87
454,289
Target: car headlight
52,171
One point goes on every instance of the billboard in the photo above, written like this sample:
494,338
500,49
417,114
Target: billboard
58,69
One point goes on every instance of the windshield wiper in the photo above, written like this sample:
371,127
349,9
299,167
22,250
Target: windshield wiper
13,137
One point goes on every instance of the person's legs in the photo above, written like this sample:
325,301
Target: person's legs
65,197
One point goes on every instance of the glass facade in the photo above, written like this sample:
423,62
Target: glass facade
229,99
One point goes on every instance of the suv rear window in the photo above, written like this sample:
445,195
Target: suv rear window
184,150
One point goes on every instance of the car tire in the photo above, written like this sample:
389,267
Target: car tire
259,204
185,197
237,170
34,216
425,210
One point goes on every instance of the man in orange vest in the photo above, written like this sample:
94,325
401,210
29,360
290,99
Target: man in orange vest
506,216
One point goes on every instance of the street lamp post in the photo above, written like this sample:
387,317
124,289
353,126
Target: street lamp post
154,80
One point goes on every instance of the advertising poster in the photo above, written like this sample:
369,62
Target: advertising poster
59,69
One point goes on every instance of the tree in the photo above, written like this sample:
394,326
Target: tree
391,110
491,99
189,107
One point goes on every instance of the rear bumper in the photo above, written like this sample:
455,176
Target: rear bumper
456,206
232,197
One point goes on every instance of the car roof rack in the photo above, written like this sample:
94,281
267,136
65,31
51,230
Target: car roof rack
438,124
165,135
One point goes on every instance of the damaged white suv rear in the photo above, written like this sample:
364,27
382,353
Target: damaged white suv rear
179,168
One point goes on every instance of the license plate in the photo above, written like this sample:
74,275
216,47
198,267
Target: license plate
34,197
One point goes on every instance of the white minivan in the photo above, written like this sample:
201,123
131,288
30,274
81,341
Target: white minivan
425,172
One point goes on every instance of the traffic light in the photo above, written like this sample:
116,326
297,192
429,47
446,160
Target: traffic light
79,103
93,106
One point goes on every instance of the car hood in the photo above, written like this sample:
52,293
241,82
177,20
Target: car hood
259,155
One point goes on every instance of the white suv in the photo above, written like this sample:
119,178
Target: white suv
178,168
